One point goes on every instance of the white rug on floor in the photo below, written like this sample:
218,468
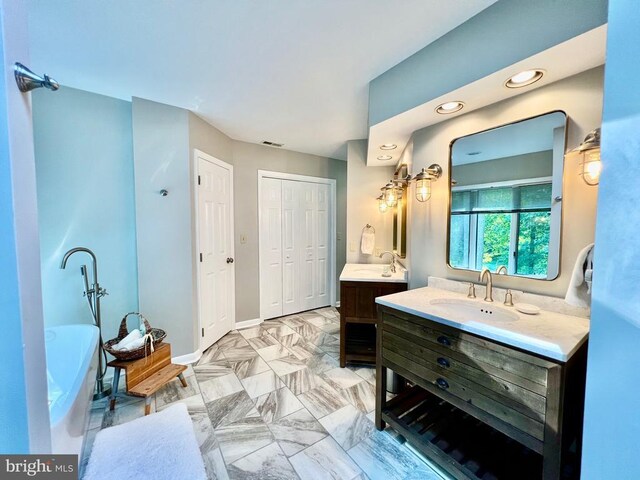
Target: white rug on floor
159,446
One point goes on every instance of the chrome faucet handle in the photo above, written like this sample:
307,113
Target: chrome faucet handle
508,298
472,290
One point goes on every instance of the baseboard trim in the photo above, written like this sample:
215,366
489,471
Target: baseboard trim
188,358
248,323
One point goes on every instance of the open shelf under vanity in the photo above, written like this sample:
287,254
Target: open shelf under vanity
457,441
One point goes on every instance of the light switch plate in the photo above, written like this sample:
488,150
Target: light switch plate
377,251
352,246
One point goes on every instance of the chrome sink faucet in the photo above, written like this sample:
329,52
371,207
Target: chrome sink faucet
488,296
502,270
392,265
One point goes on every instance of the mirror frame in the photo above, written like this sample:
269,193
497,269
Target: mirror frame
448,239
400,245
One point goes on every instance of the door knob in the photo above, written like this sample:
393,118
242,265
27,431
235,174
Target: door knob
229,260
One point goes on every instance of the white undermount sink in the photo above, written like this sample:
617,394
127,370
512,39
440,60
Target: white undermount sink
470,310
372,272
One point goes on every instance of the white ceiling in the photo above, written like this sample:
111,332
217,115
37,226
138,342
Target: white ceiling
534,135
289,71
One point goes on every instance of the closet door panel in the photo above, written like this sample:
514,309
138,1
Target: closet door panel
322,246
271,244
290,247
308,197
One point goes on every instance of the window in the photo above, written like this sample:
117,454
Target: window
501,226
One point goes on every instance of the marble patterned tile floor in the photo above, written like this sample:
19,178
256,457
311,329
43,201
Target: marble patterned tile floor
271,402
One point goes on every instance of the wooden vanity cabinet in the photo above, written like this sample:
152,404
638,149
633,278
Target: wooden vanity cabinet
358,317
478,408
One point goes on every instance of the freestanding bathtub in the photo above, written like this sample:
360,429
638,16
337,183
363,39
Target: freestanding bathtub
72,362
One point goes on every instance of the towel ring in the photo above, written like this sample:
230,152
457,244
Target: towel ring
367,226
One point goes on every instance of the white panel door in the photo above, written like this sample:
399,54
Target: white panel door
271,248
307,212
215,243
290,247
323,267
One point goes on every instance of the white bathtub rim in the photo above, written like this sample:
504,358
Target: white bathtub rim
80,380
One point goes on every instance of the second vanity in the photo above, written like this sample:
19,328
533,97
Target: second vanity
494,393
360,285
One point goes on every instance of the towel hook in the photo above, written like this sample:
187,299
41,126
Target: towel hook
368,226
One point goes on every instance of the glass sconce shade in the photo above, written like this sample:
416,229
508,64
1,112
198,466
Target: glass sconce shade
591,164
423,189
382,204
591,167
423,181
391,195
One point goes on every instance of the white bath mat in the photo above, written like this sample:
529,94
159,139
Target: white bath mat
161,446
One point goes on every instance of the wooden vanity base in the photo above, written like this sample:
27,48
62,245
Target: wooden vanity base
358,319
478,408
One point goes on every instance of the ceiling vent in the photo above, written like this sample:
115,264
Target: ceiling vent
272,144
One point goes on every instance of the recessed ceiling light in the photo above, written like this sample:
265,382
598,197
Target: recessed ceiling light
449,107
525,78
385,157
388,146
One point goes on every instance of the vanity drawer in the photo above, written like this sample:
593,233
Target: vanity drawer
519,398
471,397
506,363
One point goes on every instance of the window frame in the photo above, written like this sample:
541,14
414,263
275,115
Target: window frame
474,247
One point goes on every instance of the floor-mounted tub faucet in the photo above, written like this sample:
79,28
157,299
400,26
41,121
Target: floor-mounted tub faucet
94,292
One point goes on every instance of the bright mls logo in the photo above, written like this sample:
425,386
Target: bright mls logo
51,467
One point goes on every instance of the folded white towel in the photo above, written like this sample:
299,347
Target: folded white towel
368,242
579,291
134,336
137,343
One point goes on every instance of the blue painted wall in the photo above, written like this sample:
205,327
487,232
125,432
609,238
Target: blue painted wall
612,414
14,437
84,169
499,36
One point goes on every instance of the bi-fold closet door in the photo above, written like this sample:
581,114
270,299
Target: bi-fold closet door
295,246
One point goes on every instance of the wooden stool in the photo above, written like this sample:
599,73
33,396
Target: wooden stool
147,375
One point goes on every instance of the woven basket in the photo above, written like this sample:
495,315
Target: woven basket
157,334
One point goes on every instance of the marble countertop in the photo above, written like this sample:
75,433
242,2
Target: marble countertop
550,334
371,272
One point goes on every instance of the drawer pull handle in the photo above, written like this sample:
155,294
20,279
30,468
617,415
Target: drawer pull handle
442,383
444,341
443,362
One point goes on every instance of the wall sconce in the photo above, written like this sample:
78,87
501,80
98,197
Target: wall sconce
423,181
382,204
591,164
390,192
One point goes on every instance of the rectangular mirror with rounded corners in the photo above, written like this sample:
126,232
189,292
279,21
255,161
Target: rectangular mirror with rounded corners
505,207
